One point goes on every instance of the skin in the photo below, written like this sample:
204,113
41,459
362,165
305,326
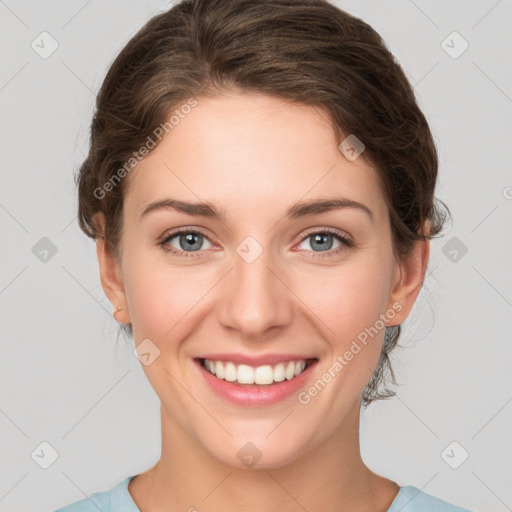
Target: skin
254,156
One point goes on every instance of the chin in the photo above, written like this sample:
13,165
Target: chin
259,452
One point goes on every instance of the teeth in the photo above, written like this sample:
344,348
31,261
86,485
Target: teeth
219,370
244,374
290,370
230,372
262,375
279,372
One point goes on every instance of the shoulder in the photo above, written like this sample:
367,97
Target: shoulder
98,500
113,500
412,499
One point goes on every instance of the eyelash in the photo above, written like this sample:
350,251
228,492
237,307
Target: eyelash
346,243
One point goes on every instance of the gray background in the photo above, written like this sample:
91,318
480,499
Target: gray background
64,379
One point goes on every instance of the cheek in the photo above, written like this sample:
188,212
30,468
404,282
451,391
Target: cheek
163,299
347,303
350,298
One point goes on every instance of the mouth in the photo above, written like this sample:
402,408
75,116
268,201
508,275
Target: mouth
246,385
256,376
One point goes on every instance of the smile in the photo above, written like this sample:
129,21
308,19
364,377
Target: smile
255,381
264,375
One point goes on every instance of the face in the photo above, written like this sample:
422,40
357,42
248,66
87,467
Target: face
266,278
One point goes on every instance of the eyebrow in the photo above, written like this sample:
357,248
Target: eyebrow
298,210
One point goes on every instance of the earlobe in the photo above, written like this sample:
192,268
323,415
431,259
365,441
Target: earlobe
411,273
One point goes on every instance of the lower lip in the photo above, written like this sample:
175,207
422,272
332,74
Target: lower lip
256,395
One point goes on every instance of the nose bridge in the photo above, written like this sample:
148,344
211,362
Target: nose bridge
256,299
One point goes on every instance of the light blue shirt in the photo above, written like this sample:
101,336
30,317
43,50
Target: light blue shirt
118,499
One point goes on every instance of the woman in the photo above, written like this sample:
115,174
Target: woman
260,185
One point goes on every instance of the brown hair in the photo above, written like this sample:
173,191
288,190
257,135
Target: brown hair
305,51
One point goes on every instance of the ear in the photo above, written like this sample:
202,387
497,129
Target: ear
111,275
408,280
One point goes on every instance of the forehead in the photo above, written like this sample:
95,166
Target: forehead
246,150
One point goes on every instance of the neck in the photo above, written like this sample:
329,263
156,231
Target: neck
331,476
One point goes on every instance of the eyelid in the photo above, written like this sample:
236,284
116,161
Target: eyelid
333,231
184,229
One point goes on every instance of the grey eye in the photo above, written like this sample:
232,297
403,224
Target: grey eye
188,241
321,241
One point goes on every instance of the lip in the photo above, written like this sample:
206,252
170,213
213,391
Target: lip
271,359
255,395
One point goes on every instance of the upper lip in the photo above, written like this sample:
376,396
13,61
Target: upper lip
261,360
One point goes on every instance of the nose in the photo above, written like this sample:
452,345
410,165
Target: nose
256,299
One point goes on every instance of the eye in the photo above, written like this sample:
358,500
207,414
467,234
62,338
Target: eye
323,241
184,241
